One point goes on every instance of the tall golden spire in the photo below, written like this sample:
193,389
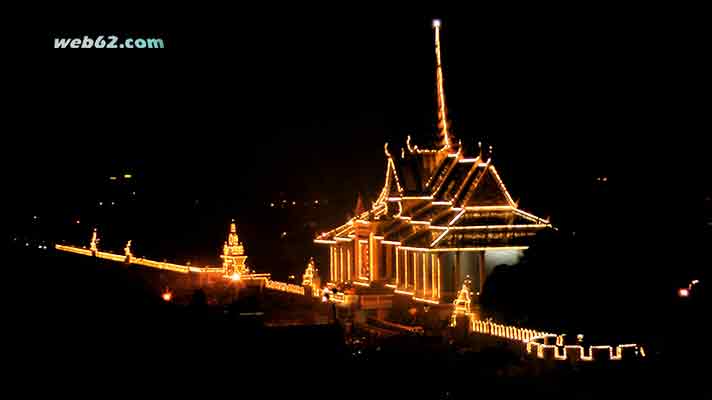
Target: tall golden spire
445,139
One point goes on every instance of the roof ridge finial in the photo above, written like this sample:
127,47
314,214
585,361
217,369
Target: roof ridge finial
445,138
359,209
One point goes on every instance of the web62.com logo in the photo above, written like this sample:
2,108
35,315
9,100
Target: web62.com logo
110,42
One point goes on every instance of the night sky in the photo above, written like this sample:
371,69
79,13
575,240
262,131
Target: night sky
253,104
245,104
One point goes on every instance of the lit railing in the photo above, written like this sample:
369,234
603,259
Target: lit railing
540,347
265,276
393,325
284,287
183,269
75,250
377,301
504,331
338,298
110,256
539,344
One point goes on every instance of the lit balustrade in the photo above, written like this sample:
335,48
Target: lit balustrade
537,344
284,287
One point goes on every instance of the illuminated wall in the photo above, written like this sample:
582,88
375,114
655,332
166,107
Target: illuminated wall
284,287
551,347
503,331
547,346
183,269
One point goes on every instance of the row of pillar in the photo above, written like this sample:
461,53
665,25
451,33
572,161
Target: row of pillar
419,273
341,264
424,274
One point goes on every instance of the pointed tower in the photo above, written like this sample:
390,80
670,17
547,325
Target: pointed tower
94,241
462,302
127,251
234,254
359,206
444,136
310,277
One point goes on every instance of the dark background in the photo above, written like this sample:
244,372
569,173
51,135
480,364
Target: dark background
248,106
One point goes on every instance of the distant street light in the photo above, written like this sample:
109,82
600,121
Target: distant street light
683,292
167,296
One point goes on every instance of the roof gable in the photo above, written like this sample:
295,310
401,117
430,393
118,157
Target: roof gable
487,191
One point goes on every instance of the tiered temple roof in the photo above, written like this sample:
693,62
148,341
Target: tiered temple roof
442,199
459,203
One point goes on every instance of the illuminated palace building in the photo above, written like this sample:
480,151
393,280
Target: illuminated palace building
442,216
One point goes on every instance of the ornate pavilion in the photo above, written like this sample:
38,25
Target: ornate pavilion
441,217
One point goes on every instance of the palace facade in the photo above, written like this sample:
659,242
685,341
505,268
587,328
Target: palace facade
441,217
